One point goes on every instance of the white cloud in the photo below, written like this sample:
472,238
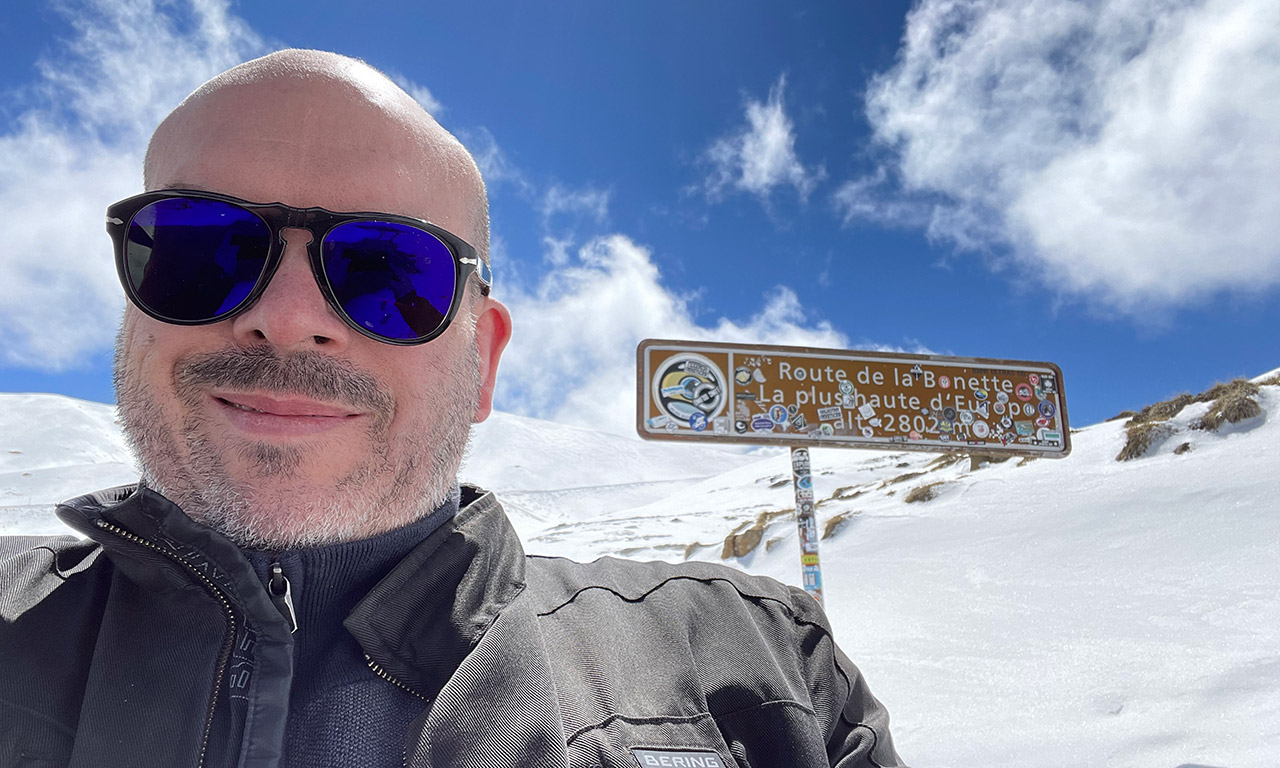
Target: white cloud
420,93
587,202
572,356
761,156
1123,150
569,216
496,168
76,148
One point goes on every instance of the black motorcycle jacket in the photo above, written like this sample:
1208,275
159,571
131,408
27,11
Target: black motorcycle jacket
153,643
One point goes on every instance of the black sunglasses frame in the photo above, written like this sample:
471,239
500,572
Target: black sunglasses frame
319,222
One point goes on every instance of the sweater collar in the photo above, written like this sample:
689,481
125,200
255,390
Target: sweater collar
427,615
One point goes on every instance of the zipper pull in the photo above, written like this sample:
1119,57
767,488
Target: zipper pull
282,595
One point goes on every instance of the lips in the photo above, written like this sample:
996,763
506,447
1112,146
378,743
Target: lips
273,416
284,406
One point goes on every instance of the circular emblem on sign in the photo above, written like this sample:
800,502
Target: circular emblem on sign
944,382
1029,409
1024,392
740,427
913,435
1002,397
697,421
966,417
827,430
949,413
846,387
779,414
1046,409
980,429
688,383
980,394
742,375
1033,379
998,408
866,431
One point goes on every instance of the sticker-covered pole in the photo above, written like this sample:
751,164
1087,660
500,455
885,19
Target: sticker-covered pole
807,522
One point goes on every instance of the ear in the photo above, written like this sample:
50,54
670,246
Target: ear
493,331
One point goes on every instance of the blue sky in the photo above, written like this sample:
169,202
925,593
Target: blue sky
1087,183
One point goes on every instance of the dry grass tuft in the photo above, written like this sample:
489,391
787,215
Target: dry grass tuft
1123,415
1027,460
1181,449
746,537
924,492
944,461
1233,403
1143,435
847,492
1272,381
1162,411
901,479
834,524
690,549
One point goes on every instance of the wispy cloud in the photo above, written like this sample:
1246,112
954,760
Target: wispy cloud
572,358
497,170
586,202
77,147
420,93
1120,150
760,156
76,144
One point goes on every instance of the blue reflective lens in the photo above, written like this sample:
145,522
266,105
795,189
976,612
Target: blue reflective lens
194,260
393,280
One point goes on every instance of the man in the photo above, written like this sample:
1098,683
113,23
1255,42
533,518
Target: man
298,580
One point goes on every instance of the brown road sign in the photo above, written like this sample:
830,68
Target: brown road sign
801,396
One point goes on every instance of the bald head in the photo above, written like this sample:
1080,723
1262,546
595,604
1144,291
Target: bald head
310,128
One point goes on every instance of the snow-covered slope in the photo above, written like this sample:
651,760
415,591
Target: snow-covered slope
1048,613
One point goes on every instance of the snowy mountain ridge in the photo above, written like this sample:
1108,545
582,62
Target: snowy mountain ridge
1084,611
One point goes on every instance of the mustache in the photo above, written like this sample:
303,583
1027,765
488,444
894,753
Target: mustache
262,368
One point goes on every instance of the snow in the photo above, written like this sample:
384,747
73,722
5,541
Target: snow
1054,613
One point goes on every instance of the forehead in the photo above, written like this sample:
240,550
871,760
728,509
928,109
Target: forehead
338,143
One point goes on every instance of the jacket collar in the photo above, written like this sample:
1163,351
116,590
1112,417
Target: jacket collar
418,623
145,535
428,614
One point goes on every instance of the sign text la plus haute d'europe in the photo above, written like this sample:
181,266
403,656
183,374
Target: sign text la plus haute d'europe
899,381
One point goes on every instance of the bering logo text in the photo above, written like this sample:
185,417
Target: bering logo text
654,758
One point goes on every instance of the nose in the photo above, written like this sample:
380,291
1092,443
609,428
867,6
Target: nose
292,313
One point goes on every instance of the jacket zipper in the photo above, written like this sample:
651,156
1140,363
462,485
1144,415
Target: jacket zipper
282,595
225,655
385,675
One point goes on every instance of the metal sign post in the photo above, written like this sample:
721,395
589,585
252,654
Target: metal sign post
807,522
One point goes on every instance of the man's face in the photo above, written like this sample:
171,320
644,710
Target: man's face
283,426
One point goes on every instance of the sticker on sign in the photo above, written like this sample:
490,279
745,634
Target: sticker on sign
829,414
846,398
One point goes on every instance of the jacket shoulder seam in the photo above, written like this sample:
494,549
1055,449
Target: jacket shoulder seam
655,719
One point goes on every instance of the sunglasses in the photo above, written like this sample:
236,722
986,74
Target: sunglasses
191,258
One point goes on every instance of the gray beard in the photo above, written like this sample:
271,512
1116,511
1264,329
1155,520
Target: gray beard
397,484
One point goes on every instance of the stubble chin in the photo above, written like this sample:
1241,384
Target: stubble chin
271,497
